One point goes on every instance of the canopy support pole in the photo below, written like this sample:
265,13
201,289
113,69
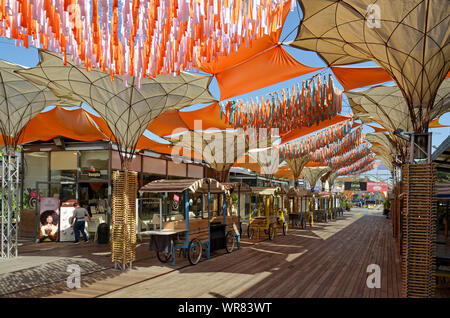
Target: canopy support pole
10,208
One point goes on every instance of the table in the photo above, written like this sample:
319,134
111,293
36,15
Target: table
164,232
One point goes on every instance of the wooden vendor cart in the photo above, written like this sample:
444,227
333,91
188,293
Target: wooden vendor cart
322,208
298,207
334,206
194,231
270,214
238,212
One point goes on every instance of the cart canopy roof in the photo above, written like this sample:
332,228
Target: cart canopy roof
268,191
193,185
244,188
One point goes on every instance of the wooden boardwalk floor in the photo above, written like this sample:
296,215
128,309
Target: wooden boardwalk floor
328,261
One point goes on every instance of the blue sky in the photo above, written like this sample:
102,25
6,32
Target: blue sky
29,57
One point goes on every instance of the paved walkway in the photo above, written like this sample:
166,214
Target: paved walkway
329,260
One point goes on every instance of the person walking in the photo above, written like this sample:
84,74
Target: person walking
79,215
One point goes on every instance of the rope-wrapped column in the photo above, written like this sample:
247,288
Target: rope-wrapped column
419,231
123,233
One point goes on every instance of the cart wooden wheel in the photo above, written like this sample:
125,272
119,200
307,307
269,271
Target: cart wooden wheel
251,233
194,251
164,257
271,232
230,240
285,228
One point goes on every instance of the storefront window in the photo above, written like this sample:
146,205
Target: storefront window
94,165
35,169
63,165
63,168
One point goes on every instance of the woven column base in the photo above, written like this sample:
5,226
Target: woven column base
123,233
419,231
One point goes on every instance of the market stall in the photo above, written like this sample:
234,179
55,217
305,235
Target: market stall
191,231
298,206
270,214
238,212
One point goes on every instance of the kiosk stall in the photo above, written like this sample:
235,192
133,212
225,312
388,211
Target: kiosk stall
190,232
270,214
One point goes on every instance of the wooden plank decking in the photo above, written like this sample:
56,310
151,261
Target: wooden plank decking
329,261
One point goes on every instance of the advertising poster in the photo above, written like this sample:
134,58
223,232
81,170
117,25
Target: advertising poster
66,230
337,189
377,186
49,220
354,186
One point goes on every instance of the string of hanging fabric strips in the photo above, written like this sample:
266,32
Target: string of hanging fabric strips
339,147
319,140
140,37
314,101
365,164
347,158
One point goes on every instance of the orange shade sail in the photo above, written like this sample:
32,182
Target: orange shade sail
74,124
225,62
79,125
284,172
300,132
435,124
270,67
245,53
250,68
207,118
313,164
253,166
357,77
378,129
167,149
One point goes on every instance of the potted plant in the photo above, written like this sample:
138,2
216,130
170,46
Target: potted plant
386,207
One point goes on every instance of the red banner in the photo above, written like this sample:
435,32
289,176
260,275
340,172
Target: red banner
377,186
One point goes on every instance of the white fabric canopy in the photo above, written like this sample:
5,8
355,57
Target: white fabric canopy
312,174
296,165
268,160
409,39
219,149
391,144
20,101
386,106
127,110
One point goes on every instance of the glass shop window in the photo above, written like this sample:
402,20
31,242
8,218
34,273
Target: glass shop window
63,165
35,168
149,212
63,168
174,207
94,164
195,206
